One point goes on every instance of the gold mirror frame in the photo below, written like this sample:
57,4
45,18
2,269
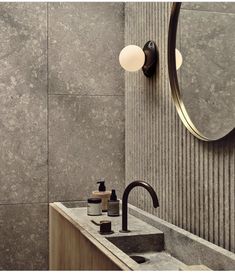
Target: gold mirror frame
175,90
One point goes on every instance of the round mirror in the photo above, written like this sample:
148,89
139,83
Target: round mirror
201,64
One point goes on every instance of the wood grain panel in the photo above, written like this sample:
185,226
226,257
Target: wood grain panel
72,248
194,180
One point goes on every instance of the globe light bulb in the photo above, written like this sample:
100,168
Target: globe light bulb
178,59
132,58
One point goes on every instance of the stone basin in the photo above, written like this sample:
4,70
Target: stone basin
163,245
149,247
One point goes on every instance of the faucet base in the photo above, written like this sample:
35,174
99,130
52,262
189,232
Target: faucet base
124,231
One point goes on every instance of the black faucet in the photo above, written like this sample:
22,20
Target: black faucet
125,200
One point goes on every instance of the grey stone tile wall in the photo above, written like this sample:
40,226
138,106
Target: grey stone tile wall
23,102
86,143
221,7
24,237
84,43
23,134
86,129
44,50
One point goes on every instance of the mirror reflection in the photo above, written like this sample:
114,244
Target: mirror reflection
206,41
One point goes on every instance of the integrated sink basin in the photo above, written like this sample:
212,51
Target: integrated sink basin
147,250
141,248
152,243
139,243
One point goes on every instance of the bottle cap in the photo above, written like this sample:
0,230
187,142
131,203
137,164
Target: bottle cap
113,196
94,200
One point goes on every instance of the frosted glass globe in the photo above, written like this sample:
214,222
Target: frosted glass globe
132,58
178,59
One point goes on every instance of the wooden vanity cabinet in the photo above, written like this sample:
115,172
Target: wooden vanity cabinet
72,248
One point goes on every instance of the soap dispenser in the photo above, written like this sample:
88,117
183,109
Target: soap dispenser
102,187
103,194
113,205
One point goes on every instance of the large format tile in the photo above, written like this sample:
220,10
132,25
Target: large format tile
84,44
24,237
23,102
86,140
207,75
225,7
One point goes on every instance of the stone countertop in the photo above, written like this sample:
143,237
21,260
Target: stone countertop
157,260
135,225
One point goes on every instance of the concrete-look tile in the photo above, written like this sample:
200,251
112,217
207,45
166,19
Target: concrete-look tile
24,237
227,7
86,140
23,102
207,74
85,40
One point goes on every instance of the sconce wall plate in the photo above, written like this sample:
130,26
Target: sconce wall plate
151,58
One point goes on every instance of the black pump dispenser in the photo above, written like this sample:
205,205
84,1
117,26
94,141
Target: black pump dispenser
102,187
113,196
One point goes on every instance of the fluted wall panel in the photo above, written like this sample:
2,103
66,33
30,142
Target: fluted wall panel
194,180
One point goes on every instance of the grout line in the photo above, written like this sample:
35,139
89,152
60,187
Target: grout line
79,95
26,203
208,11
48,184
41,203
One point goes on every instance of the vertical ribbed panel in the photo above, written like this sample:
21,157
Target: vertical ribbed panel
194,180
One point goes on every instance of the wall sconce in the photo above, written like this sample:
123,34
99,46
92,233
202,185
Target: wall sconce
178,59
133,58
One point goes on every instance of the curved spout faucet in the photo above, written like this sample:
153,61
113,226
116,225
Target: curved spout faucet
125,200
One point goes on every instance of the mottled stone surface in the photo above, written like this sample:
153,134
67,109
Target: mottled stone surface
86,143
84,43
23,107
125,244
138,243
24,237
136,226
181,248
24,82
225,7
186,247
207,75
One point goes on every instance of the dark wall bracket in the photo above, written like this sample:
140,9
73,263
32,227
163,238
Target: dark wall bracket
151,58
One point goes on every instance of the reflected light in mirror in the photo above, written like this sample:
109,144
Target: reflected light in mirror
178,59
132,58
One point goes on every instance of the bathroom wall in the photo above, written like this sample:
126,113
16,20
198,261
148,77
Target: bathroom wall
86,98
194,180
61,116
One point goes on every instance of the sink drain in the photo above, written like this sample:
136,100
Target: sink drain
138,259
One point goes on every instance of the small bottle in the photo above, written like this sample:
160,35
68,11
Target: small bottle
103,194
113,205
